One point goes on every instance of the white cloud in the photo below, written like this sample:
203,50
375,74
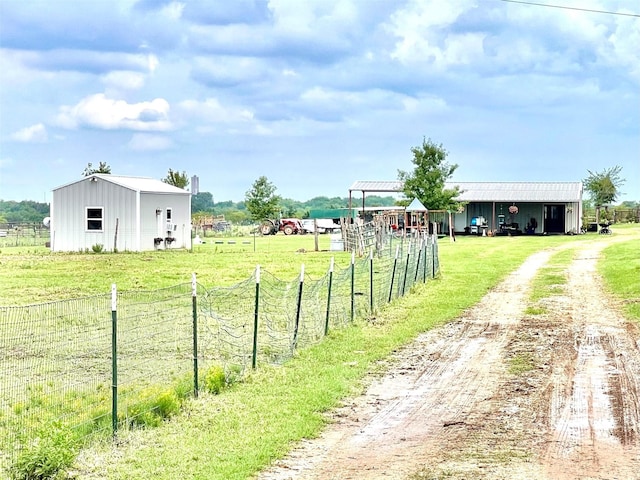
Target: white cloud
419,28
101,112
33,134
212,111
123,80
142,142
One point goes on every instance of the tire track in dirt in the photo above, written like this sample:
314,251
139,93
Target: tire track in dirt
594,412
420,409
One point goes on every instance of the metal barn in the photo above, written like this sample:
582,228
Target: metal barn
504,207
119,213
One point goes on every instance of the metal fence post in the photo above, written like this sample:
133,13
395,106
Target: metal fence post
393,272
433,259
326,320
371,282
415,277
406,270
298,308
114,359
254,357
194,308
353,285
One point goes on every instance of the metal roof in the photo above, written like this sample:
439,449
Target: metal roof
492,191
518,191
416,206
376,186
137,184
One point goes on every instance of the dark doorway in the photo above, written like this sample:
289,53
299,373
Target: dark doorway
554,218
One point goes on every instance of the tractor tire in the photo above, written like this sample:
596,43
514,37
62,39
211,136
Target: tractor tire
288,230
266,228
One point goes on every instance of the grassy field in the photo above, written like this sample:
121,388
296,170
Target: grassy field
234,434
33,274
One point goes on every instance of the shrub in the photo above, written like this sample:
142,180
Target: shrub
215,379
47,456
152,406
97,248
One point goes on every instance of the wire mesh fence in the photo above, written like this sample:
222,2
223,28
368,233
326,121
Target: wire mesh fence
107,362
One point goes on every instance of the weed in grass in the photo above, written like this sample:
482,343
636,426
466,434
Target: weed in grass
535,310
215,379
521,363
151,406
47,456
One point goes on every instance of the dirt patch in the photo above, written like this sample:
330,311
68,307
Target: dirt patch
497,394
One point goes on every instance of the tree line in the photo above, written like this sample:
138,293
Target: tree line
426,182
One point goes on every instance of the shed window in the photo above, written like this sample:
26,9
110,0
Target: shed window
168,214
94,218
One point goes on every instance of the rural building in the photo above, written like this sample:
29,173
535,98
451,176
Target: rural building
504,207
120,213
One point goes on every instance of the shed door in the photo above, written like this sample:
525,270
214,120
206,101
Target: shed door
554,218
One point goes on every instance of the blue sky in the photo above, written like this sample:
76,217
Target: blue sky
316,94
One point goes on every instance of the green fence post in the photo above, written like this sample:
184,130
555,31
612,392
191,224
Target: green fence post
433,259
254,358
114,359
353,285
371,282
194,311
393,272
298,308
406,270
426,259
415,277
326,320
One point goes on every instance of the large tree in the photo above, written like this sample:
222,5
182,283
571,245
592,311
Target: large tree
101,168
427,181
262,201
603,187
177,179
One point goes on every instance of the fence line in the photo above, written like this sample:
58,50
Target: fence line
101,363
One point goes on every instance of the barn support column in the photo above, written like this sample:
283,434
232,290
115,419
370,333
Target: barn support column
493,217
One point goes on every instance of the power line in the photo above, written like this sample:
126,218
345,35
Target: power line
608,12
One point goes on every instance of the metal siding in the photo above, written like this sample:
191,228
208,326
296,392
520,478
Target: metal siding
71,202
181,216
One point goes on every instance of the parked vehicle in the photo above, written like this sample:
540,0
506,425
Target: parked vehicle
289,226
325,225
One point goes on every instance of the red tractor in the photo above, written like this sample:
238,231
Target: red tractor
289,226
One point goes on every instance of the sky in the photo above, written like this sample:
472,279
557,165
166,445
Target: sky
316,94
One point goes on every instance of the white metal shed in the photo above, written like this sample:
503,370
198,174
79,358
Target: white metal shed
120,213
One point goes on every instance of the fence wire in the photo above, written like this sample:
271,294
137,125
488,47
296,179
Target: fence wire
78,362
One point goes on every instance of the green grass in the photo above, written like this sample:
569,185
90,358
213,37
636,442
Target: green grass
620,268
550,279
236,433
31,275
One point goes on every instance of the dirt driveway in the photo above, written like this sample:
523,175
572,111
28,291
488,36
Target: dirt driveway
456,405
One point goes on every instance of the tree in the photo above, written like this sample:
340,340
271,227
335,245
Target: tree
102,168
603,187
202,202
262,201
177,179
426,182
